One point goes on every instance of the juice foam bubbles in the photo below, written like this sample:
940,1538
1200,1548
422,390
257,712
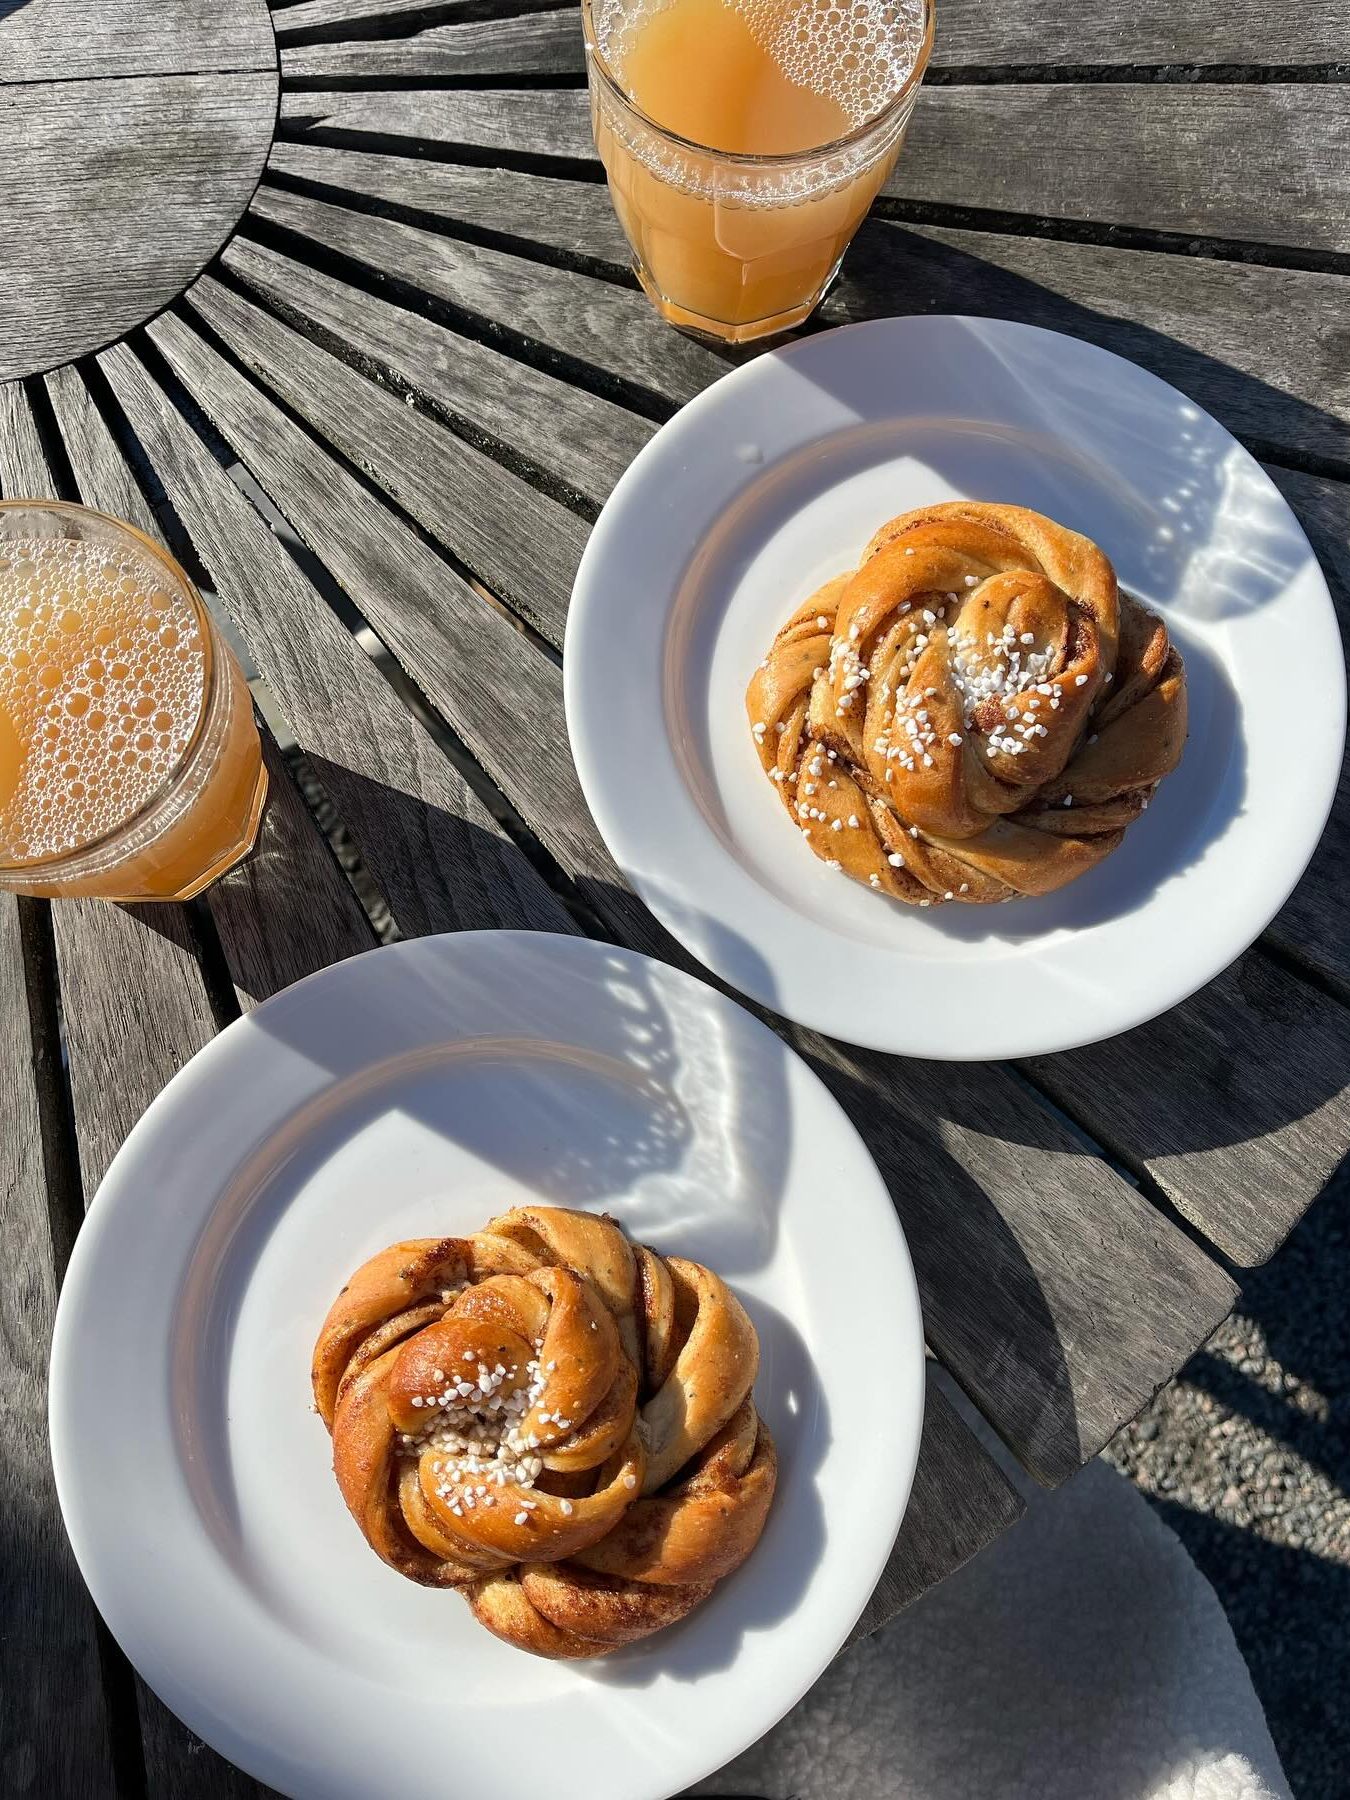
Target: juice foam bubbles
857,54
102,681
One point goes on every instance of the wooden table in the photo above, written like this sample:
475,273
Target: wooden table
377,429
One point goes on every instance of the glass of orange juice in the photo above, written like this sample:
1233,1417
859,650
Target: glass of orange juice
130,766
744,140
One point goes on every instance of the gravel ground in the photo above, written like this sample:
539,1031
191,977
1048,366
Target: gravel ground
1247,1456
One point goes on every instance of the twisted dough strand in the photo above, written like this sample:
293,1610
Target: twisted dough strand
975,713
552,1419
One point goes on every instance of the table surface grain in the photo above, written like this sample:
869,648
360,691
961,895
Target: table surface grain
374,401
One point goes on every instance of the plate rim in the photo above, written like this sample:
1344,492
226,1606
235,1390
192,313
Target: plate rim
606,803
73,1495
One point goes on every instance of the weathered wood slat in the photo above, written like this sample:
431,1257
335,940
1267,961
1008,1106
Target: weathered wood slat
1199,322
54,1735
374,557
554,123
572,216
1265,163
67,40
1269,163
1049,33
156,171
532,43
136,1010
1237,1103
338,20
1037,33
1311,928
1059,1342
959,1503
593,322
286,910
440,859
101,474
53,1724
24,472
575,438
523,546
382,17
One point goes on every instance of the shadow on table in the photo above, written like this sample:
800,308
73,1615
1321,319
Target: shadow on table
892,269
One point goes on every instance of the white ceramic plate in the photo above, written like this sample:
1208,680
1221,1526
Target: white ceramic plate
772,481
416,1091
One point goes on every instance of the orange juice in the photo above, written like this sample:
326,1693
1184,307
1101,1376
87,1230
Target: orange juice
130,765
744,140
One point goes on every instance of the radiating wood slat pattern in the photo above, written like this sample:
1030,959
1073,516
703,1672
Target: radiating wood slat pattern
443,861
578,441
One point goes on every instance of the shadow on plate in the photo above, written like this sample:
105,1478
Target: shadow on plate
767,1588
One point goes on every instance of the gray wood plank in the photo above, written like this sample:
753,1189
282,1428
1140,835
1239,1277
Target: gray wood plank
1007,1219
1311,927
24,474
1057,32
601,326
439,857
53,1725
331,15
1266,163
1199,322
287,909
528,44
1237,1103
135,1004
960,1502
339,20
535,122
1270,163
1038,33
519,543
571,216
66,40
101,474
580,441
156,171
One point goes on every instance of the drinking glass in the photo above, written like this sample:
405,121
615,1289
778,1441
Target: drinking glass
734,246
130,765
